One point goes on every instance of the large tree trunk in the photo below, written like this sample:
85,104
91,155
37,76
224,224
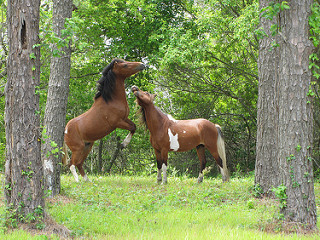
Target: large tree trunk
268,112
295,114
57,99
23,171
293,119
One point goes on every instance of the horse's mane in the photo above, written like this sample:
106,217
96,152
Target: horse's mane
142,118
142,113
107,82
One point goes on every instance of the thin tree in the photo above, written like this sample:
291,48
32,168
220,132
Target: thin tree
23,171
57,98
284,83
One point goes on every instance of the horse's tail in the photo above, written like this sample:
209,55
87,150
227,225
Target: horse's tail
65,156
222,154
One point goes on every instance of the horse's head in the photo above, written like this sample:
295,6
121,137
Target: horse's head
143,98
125,69
118,68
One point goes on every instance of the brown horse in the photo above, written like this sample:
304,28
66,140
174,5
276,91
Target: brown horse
109,111
168,134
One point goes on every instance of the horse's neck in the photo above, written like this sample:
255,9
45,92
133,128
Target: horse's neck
155,118
119,94
119,90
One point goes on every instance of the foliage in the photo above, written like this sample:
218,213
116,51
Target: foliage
280,193
210,71
314,21
203,58
203,65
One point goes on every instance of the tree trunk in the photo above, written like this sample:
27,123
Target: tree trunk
115,154
268,112
291,114
57,99
100,156
23,171
295,114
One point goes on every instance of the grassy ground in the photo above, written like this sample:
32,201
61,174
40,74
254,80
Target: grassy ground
121,207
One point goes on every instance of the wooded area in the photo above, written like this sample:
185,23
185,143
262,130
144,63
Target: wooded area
207,59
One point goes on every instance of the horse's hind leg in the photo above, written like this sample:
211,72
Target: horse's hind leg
86,151
202,159
75,155
74,173
77,159
214,152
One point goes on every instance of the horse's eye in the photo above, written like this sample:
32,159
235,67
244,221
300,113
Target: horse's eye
125,65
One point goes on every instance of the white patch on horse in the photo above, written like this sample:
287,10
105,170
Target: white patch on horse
159,178
171,118
66,131
164,171
173,139
184,131
127,140
74,173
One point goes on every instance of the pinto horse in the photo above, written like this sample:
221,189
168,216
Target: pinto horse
168,134
109,111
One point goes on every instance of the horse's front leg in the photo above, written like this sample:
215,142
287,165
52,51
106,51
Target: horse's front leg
159,165
127,124
164,165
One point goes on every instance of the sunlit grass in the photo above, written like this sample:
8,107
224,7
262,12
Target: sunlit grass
123,207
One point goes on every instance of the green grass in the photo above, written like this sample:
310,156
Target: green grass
122,207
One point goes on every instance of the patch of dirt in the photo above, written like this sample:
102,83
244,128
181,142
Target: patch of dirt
51,228
59,199
277,226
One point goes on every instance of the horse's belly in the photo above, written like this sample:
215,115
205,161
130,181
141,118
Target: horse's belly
182,142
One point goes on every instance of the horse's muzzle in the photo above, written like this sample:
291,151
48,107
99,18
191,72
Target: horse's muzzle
142,66
134,89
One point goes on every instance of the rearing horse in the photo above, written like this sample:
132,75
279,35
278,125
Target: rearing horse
168,134
109,111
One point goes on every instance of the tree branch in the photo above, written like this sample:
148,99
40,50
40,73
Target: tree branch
86,75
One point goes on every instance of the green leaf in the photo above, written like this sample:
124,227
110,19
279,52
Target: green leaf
32,56
53,144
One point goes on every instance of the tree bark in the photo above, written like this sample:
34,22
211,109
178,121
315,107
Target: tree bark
267,111
295,114
57,99
290,116
100,155
23,171
115,154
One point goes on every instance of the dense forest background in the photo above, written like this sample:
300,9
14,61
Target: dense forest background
203,63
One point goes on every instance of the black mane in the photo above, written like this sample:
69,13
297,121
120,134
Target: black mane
107,82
